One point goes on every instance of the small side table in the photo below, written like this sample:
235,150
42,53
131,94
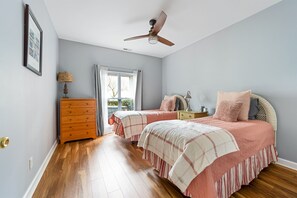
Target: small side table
184,115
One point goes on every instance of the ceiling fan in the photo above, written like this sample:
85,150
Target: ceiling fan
153,36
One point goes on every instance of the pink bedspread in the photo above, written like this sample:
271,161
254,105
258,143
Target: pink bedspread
187,146
251,137
151,116
254,138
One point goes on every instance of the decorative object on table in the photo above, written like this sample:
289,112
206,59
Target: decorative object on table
32,43
203,109
65,77
188,97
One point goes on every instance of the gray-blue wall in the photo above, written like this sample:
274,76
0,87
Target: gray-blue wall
27,101
79,59
259,53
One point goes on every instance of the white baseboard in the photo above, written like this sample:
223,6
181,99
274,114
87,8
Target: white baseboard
287,163
31,189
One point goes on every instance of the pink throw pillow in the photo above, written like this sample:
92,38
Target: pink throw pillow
228,111
167,105
237,97
173,98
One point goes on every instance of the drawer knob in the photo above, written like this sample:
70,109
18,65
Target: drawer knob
70,134
190,116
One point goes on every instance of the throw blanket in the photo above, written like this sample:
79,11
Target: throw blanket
133,122
187,146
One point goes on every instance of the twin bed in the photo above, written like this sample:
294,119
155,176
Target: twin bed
129,124
208,157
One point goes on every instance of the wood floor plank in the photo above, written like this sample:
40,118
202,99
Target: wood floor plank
126,186
99,189
111,167
115,194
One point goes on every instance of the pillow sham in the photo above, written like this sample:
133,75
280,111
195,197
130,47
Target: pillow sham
237,97
173,98
228,111
167,105
254,108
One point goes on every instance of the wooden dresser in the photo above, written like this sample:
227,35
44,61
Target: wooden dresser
184,115
77,119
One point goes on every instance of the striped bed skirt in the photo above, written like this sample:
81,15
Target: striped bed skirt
241,174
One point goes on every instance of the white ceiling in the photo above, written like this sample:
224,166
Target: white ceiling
107,23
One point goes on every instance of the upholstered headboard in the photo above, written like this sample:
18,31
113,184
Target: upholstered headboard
183,104
267,112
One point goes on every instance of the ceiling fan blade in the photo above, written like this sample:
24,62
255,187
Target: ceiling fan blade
159,24
136,37
165,41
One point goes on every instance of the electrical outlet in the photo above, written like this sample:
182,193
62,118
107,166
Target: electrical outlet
30,163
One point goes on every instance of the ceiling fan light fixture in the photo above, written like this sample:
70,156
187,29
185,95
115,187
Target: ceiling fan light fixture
153,40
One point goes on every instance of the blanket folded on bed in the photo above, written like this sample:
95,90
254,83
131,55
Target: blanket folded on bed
133,122
187,146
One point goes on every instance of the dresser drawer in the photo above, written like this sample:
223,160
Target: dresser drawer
78,119
78,126
77,103
75,135
78,111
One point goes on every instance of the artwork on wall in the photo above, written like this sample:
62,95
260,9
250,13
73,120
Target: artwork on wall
32,43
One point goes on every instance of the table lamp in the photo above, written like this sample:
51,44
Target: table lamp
65,77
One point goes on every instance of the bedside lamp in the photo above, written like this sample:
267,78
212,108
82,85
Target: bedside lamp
188,97
65,77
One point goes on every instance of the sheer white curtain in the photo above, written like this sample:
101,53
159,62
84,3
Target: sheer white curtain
104,79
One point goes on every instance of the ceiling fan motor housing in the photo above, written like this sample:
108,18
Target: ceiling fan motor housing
153,22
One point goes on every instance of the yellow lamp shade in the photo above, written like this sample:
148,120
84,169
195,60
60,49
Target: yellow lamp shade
65,77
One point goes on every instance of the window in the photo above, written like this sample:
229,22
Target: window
120,91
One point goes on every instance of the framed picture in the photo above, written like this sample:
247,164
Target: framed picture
32,43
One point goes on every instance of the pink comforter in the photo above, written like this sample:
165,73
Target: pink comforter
251,136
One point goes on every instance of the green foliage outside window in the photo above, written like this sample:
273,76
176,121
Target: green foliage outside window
125,103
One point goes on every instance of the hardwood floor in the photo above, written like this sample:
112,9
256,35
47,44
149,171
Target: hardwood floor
110,167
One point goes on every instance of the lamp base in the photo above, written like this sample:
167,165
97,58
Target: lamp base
65,90
189,108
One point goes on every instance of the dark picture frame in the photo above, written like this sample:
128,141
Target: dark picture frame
33,35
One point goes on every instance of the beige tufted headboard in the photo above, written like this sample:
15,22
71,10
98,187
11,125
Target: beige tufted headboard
266,113
183,104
